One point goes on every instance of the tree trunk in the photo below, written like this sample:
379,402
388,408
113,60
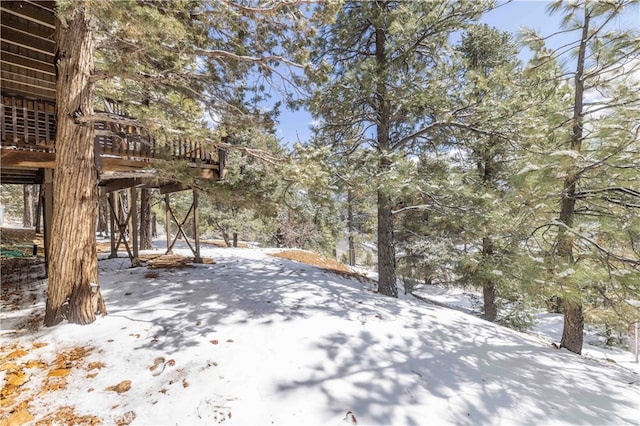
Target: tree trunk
350,230
489,297
572,333
28,206
154,225
146,241
39,209
489,285
235,239
73,289
387,284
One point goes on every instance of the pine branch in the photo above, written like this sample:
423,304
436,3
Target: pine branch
267,10
266,156
607,253
100,117
220,54
445,124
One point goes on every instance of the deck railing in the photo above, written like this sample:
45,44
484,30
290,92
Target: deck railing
30,124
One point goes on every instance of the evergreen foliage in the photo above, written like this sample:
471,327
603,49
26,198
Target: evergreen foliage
587,161
379,69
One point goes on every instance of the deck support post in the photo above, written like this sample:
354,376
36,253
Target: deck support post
196,228
112,225
47,214
167,207
133,206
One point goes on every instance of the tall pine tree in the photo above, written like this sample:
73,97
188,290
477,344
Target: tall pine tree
379,68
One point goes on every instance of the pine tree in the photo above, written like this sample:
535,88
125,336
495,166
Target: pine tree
493,102
591,144
379,69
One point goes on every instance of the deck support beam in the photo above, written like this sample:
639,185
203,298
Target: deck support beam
47,214
133,207
196,228
167,210
112,225
170,215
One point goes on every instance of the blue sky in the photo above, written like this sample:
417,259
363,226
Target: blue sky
510,16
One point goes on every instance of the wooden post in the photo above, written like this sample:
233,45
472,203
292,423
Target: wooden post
47,213
196,228
112,225
39,208
134,224
167,207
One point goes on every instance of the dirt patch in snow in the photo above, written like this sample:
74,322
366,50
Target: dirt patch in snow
314,259
221,243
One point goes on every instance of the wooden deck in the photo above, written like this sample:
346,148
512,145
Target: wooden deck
28,144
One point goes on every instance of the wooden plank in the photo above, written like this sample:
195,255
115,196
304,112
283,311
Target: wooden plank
27,89
110,164
27,159
11,19
21,38
30,11
119,184
173,187
28,63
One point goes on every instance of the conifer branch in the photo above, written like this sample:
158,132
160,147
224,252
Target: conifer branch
100,117
219,54
260,154
604,251
444,124
267,10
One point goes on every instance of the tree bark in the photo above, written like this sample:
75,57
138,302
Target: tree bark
28,206
73,289
573,330
572,333
39,209
387,283
489,286
350,230
146,241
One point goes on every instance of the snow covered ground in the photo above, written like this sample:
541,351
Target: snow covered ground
549,326
260,340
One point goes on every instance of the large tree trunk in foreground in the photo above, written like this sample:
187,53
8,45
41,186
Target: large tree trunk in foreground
73,291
